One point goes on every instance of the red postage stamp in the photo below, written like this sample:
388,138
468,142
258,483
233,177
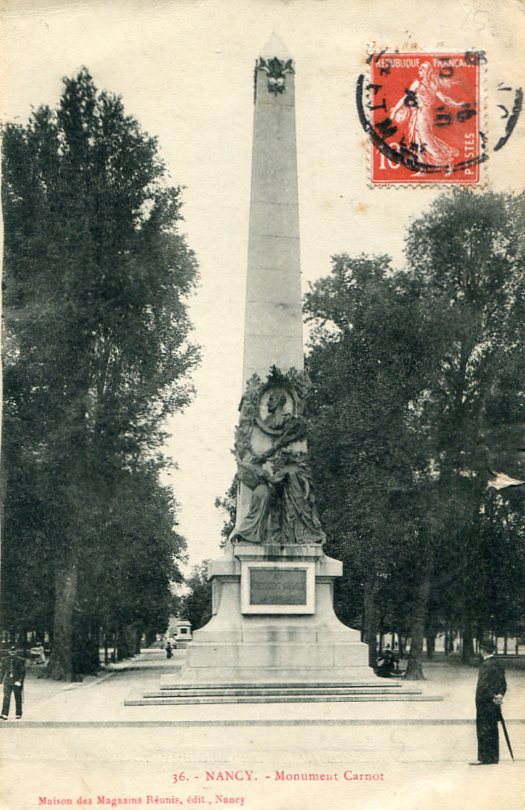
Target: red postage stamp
424,118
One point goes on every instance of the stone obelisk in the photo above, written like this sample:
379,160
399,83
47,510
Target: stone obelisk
273,618
273,321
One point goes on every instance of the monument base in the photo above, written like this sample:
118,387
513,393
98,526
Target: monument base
273,622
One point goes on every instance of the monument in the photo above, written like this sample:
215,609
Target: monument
273,619
273,636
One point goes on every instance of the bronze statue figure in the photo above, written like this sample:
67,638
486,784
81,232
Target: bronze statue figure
282,507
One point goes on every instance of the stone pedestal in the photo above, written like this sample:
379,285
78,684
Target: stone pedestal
273,621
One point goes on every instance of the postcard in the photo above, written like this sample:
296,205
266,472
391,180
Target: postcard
328,162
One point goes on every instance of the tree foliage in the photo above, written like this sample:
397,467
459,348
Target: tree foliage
228,504
97,275
417,396
196,604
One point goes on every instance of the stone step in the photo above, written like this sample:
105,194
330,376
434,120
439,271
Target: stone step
260,691
306,698
376,684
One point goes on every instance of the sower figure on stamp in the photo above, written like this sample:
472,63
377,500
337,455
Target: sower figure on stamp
490,689
418,106
13,674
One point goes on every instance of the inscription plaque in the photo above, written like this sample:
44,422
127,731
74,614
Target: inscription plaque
277,586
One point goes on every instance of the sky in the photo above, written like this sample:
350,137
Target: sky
184,69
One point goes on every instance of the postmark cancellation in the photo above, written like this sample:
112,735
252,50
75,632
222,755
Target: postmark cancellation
423,114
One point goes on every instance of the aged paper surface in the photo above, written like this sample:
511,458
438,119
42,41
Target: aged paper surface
185,70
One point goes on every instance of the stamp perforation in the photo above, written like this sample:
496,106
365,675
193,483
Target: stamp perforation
437,68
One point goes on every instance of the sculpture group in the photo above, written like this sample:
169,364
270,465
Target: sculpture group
272,463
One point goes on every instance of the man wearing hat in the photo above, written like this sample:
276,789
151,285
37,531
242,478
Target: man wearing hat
13,673
490,689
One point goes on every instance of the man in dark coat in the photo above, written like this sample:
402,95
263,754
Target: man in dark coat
13,673
489,696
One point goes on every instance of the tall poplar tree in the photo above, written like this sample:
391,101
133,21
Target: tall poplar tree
97,275
368,362
417,400
465,256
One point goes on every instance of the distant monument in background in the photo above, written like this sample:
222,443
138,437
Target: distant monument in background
273,618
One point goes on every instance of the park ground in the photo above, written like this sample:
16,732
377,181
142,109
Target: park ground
78,745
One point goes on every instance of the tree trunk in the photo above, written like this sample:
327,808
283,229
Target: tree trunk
131,633
138,640
467,648
3,490
370,619
86,658
415,667
150,636
126,641
431,646
60,666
